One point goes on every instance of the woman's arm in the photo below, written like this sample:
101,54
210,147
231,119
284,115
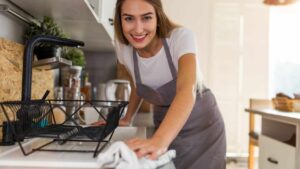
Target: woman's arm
183,102
177,114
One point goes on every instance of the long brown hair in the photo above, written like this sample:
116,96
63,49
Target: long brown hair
164,24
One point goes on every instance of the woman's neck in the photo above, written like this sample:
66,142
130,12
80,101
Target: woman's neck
151,49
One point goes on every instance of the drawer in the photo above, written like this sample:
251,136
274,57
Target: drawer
274,154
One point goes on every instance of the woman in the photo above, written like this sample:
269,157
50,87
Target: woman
161,58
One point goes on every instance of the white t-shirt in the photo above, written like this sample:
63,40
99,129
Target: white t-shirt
155,70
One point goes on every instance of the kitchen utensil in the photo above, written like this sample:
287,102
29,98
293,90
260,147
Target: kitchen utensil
76,99
89,115
101,92
64,137
59,116
7,134
58,93
8,129
118,90
31,111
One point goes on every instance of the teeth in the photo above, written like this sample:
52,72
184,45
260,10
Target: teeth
139,37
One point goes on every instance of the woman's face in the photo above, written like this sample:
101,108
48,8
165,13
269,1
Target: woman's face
139,23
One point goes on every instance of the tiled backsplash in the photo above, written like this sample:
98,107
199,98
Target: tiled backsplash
11,63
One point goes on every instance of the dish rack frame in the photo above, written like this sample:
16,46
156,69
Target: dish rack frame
36,119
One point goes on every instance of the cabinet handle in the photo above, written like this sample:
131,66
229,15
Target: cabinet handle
272,160
92,6
111,21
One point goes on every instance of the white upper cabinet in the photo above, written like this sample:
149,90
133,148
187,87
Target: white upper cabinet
105,9
86,20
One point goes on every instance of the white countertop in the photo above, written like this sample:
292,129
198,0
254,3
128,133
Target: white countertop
289,116
12,156
15,158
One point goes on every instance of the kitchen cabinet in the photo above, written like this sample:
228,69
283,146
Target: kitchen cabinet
275,155
104,9
277,145
85,20
279,141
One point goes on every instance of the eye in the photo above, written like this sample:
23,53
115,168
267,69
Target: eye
128,18
147,18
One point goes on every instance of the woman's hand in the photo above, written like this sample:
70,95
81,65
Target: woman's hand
122,122
152,148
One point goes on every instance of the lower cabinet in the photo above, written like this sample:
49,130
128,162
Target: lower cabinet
274,154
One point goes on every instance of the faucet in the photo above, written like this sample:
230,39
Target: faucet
28,57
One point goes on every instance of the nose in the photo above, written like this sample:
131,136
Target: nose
139,26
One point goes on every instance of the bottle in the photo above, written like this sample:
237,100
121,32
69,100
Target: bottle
86,88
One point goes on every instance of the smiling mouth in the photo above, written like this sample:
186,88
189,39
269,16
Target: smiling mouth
139,38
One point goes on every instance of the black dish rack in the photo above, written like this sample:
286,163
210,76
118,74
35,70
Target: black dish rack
36,119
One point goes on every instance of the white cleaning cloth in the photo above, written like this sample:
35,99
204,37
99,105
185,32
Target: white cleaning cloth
119,156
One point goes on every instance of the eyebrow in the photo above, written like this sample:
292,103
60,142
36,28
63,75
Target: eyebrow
148,13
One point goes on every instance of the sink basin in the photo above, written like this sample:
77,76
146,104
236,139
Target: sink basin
125,133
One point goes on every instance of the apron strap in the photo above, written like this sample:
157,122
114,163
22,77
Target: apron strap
136,67
169,58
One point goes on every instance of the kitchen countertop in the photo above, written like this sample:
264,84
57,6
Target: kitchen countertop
290,116
11,157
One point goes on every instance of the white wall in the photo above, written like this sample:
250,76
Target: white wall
11,28
233,45
195,15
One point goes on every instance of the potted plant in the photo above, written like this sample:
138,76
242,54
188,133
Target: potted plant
47,27
75,55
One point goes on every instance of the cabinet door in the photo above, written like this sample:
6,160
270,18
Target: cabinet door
107,14
104,11
274,154
94,4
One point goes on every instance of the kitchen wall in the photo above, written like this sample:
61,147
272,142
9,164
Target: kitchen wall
11,27
195,15
101,66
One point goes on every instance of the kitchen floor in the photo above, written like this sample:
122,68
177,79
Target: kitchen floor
235,167
240,164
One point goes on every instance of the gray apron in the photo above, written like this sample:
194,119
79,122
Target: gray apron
201,143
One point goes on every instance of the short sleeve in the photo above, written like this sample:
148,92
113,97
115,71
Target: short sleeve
183,41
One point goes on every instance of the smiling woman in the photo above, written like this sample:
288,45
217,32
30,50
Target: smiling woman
161,58
139,28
